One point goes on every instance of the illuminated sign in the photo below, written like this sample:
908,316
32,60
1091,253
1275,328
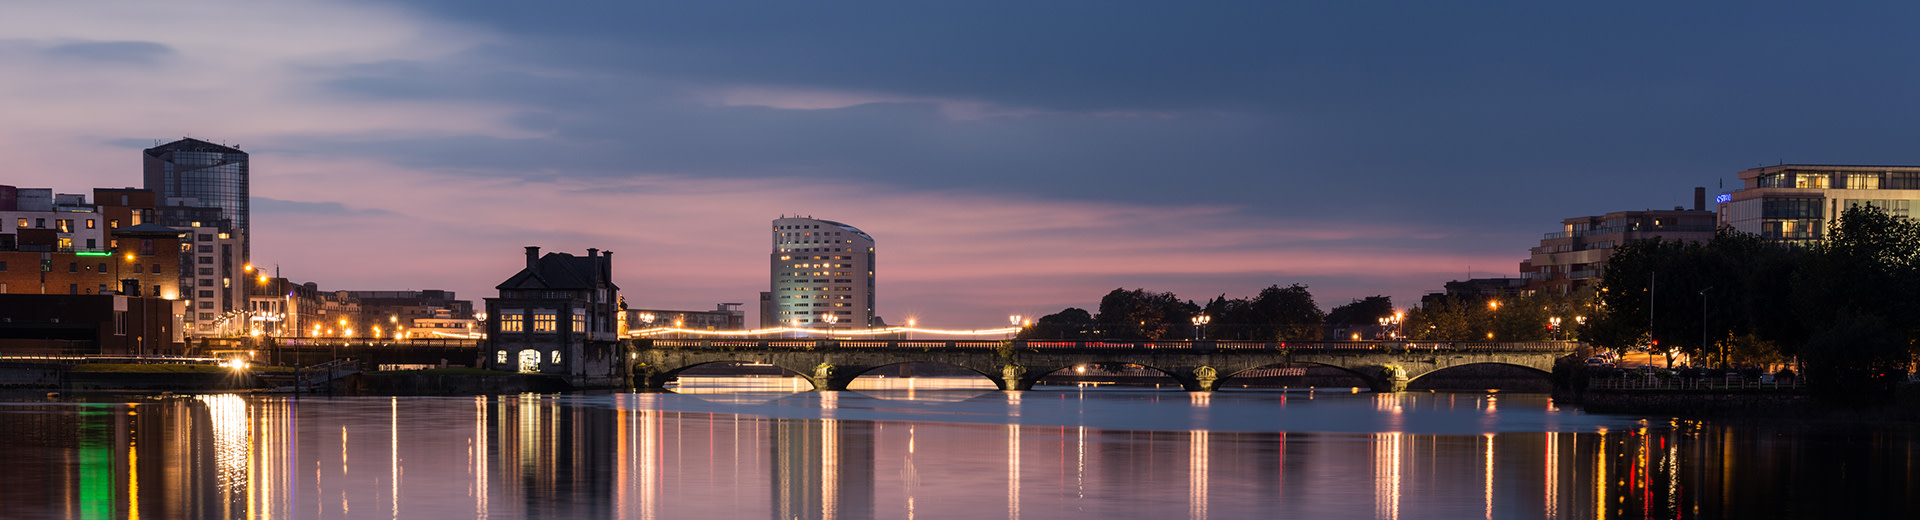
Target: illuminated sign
93,253
1723,198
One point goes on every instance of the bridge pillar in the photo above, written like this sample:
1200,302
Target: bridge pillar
1013,378
1393,378
830,377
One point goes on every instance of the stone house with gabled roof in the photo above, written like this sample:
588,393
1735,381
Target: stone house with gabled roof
559,316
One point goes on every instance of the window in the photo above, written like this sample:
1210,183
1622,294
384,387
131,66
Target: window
3,267
1863,181
90,224
579,320
206,260
556,357
511,320
156,268
204,316
103,267
206,294
544,320
40,223
73,267
73,288
500,358
206,282
113,224
206,249
206,271
23,223
65,225
137,268
92,244
119,319
146,246
205,237
206,305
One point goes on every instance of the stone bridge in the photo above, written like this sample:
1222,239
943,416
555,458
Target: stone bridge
1017,365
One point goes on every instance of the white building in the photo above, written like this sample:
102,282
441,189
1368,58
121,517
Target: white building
1796,202
822,276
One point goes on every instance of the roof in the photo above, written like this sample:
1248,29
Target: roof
557,271
149,229
190,144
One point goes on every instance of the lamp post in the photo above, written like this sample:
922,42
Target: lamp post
1013,320
1200,326
1553,327
910,325
830,319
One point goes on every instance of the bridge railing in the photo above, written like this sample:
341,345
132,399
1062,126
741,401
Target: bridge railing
1110,345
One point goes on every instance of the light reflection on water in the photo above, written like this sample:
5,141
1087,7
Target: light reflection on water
920,453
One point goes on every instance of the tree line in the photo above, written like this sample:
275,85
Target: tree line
1846,307
1274,314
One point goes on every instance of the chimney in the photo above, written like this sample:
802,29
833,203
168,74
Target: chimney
606,264
533,256
593,254
1699,198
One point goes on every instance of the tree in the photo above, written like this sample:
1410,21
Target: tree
1363,312
1138,314
1070,323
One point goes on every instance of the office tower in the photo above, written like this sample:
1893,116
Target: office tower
821,268
197,174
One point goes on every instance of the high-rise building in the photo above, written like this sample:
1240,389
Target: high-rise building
195,173
1795,203
821,268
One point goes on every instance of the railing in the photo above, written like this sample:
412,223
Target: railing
1174,346
1644,382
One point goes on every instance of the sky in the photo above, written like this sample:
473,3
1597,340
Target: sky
1007,157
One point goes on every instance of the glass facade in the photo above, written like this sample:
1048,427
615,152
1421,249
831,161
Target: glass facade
216,176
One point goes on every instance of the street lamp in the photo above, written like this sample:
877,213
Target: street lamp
1200,326
910,325
1553,326
1015,321
830,319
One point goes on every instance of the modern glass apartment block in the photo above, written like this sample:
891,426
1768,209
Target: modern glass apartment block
1795,203
213,175
821,268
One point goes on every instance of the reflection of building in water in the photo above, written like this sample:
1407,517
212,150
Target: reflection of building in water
554,459
822,469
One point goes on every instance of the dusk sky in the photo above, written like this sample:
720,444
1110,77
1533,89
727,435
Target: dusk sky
1008,157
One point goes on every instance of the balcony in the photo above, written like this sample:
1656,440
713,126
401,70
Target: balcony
1629,229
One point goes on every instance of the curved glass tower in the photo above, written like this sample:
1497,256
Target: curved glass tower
214,176
821,268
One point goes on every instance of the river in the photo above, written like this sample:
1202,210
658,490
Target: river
929,450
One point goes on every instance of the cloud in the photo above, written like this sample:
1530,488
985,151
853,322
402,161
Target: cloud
121,52
268,207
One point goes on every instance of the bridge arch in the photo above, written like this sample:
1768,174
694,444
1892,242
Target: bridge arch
1376,380
1035,374
1504,375
869,370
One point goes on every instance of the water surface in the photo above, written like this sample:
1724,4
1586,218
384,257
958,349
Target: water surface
745,451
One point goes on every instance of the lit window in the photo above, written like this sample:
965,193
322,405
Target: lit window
579,320
90,224
500,358
556,357
511,320
544,320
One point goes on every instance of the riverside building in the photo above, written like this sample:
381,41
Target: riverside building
822,276
1794,203
1575,256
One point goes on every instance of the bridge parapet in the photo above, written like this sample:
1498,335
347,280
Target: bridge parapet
1017,365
